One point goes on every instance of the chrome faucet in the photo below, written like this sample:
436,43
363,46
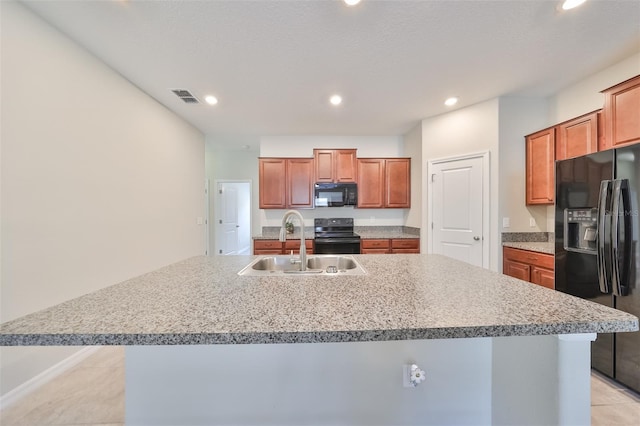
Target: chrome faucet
283,235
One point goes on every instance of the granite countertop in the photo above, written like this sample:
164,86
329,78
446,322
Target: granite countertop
540,247
202,300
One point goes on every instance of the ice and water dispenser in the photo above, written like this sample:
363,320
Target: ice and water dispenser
580,230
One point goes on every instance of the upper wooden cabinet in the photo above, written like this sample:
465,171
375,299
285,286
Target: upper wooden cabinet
335,165
540,167
398,183
286,183
299,183
384,182
621,114
577,137
273,183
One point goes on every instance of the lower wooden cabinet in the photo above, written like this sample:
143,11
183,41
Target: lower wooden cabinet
279,247
529,266
386,246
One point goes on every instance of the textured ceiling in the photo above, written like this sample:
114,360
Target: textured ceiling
273,64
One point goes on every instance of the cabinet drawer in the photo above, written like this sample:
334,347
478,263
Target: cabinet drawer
405,251
530,257
295,246
267,244
374,244
405,243
374,251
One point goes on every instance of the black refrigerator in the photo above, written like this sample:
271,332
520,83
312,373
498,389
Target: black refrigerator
596,247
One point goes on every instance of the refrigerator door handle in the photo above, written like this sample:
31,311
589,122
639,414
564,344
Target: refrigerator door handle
603,276
620,196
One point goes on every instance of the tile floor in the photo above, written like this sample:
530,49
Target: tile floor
92,393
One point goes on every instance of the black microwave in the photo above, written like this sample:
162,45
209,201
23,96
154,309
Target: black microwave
335,194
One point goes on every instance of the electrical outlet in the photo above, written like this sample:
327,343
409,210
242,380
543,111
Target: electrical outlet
532,222
506,222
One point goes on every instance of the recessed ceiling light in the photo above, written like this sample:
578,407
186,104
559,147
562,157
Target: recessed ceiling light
351,2
570,4
335,99
451,101
211,100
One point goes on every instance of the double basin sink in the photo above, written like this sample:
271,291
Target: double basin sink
316,265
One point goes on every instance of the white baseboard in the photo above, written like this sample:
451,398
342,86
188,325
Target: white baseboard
47,375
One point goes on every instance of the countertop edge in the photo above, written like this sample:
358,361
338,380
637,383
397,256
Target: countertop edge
313,337
538,247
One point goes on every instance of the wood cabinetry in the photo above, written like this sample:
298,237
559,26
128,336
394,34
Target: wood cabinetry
267,247
577,137
621,114
295,246
386,246
375,246
405,245
529,266
286,183
335,165
540,153
279,247
384,182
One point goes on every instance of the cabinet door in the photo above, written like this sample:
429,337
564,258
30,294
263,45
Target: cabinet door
267,247
295,246
621,112
543,277
405,244
577,137
345,165
324,164
371,183
299,182
273,184
398,182
540,167
516,269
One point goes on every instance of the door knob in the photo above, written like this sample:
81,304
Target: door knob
237,226
476,238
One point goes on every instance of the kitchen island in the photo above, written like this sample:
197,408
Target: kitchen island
201,344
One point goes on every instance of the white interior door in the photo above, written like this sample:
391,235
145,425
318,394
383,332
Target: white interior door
233,218
457,209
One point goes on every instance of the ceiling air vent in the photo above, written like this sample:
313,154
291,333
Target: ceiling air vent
186,96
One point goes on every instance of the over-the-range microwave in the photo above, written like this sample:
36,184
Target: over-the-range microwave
335,194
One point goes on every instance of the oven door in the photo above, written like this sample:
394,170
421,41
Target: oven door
336,246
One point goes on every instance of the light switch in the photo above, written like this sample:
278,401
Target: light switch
506,222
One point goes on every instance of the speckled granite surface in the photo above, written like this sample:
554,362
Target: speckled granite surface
387,232
546,247
273,233
202,300
538,237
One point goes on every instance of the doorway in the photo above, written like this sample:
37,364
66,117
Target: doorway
459,208
232,222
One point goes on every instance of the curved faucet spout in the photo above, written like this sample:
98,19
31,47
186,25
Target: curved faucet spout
283,235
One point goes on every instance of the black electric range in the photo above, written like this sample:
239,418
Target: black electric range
335,236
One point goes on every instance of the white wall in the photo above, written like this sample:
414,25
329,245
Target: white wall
468,130
100,183
302,146
585,96
233,165
413,149
518,117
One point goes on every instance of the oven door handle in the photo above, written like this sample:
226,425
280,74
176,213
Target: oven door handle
337,240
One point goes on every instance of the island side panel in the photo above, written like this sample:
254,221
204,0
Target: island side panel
293,384
542,380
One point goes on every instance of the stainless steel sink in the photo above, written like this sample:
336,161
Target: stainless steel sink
316,265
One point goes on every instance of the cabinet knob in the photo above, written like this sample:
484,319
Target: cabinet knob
476,238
